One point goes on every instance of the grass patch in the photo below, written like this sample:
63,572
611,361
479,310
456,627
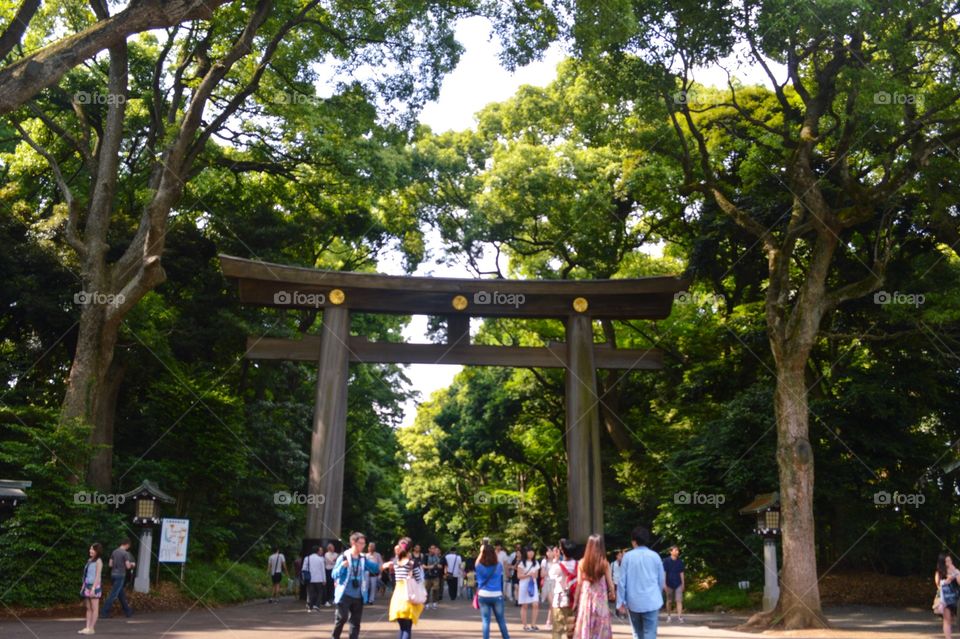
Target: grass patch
719,597
222,583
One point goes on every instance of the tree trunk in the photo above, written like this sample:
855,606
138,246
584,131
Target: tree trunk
799,605
114,289
100,470
792,334
92,389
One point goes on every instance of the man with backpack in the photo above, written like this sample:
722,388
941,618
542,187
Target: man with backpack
564,576
350,585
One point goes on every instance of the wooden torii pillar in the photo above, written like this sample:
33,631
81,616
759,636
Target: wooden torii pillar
576,302
329,439
584,489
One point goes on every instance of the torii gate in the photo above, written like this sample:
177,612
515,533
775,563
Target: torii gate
576,302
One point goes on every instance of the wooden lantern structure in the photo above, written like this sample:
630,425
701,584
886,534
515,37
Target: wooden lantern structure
146,499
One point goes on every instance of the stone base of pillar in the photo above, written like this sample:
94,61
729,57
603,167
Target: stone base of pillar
771,585
141,582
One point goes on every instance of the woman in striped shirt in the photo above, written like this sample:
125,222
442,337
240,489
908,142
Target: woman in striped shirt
402,610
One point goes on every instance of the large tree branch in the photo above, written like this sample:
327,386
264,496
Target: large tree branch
153,224
25,78
920,153
882,252
711,187
14,32
789,112
240,97
102,193
746,115
73,207
81,148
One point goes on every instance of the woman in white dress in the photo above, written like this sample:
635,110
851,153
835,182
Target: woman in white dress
528,594
547,582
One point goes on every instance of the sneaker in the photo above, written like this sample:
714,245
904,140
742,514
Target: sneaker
309,609
326,604
679,619
669,619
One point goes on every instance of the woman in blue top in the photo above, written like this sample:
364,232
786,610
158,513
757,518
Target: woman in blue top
490,590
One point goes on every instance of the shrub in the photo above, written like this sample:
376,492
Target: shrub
43,547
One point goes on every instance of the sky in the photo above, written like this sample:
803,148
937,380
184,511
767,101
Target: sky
477,81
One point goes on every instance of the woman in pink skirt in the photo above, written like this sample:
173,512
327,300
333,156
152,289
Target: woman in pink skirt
595,586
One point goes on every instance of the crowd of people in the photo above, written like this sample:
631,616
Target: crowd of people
575,589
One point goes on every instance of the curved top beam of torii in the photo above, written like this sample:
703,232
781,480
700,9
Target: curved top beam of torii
266,284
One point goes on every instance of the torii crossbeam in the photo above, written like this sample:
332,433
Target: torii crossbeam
576,302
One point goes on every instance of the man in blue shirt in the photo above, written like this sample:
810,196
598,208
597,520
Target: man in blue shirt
676,583
350,579
640,590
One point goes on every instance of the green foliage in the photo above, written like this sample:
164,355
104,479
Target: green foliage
43,547
578,179
720,597
583,178
220,583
